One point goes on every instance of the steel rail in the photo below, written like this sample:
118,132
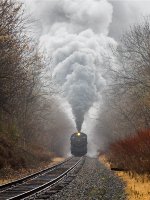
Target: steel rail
34,175
46,185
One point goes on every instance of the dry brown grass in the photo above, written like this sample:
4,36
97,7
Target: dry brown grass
137,186
104,160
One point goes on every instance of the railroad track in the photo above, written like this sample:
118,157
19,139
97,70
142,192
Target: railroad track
46,182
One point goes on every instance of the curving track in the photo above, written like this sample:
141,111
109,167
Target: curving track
39,182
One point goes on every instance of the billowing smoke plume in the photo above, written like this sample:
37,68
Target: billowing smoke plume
75,35
75,38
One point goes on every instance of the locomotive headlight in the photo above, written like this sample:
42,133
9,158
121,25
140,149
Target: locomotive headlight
78,134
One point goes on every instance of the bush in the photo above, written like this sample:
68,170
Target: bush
132,153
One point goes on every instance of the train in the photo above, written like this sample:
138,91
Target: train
78,144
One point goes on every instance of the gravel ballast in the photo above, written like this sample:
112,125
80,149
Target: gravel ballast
93,182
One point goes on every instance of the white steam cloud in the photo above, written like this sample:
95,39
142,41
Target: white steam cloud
75,38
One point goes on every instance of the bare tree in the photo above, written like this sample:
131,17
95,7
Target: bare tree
27,103
126,106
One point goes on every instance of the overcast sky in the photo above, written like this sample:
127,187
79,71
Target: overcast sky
123,13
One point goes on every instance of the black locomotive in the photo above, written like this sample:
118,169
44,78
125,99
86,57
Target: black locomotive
78,144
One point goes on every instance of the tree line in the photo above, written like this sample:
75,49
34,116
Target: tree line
126,101
124,116
29,111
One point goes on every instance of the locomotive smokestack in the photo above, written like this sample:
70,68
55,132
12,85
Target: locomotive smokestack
79,118
79,125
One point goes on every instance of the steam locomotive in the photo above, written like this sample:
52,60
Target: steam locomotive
78,144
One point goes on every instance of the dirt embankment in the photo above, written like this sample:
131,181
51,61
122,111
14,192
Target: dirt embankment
17,161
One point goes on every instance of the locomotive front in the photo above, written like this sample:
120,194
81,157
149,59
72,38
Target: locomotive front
78,144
